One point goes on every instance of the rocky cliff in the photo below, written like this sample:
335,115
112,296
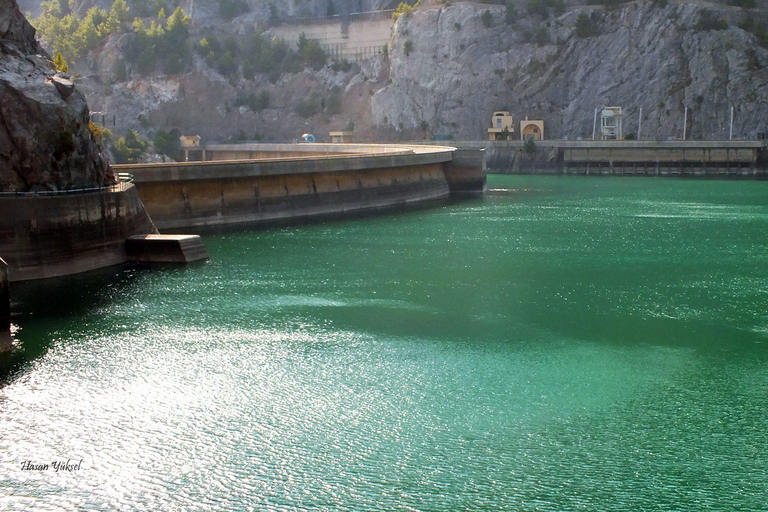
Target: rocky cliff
45,141
449,67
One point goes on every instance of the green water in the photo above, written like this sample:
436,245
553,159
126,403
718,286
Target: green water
564,343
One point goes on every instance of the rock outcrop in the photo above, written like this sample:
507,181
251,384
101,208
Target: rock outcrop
450,69
45,138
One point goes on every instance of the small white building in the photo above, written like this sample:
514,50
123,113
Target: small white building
610,124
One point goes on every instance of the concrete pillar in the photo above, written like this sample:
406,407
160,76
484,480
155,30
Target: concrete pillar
5,309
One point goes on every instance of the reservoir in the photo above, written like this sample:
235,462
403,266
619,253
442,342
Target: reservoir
563,343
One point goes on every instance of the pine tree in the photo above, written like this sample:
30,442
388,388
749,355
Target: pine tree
60,63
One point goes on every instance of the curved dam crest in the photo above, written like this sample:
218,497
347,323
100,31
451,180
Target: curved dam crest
260,184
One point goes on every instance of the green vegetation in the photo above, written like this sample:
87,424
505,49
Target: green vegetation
753,62
259,55
255,102
586,26
709,20
407,47
333,106
757,28
128,149
60,64
510,14
541,36
404,8
157,45
661,3
309,107
487,18
64,33
167,144
529,146
748,4
344,65
148,8
99,133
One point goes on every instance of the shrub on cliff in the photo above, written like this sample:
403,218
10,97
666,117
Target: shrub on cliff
510,14
487,18
60,64
128,149
404,8
709,20
308,107
757,28
407,47
585,26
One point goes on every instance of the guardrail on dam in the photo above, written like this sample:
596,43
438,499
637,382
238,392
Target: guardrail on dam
51,234
267,183
650,158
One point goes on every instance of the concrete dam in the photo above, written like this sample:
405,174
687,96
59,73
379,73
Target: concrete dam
261,184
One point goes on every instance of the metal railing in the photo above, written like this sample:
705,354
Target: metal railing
123,179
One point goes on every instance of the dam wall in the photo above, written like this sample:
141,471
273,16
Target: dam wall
56,234
353,37
318,180
650,158
5,310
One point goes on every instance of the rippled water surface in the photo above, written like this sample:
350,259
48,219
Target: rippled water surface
564,343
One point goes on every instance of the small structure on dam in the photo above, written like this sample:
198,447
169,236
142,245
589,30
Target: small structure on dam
165,248
262,184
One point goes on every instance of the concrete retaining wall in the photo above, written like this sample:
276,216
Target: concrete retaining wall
361,38
49,236
5,310
317,180
623,157
266,199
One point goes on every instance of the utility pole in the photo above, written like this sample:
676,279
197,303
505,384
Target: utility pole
639,123
594,125
730,134
685,122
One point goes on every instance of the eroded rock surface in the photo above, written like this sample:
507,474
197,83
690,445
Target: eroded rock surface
45,139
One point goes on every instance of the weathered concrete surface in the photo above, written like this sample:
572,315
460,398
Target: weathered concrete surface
5,310
346,179
45,140
165,248
618,157
48,236
265,199
466,173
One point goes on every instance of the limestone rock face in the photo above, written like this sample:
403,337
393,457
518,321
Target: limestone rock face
450,69
45,140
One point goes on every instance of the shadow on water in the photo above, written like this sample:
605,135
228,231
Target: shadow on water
41,308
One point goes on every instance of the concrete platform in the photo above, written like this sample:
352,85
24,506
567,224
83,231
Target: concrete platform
165,248
5,310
